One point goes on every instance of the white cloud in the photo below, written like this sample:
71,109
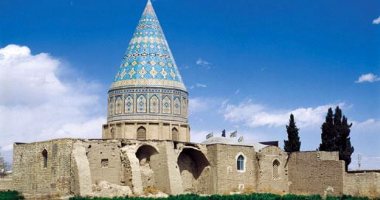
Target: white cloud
198,135
368,78
376,21
36,104
369,126
198,85
203,63
257,115
198,104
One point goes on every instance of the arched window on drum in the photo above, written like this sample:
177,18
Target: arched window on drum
175,134
141,133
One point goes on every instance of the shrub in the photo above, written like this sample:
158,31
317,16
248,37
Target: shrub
10,195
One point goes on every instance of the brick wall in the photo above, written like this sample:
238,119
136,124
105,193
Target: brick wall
362,184
316,172
273,179
225,177
30,176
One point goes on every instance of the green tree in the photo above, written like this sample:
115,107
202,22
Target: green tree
293,143
328,133
336,135
344,142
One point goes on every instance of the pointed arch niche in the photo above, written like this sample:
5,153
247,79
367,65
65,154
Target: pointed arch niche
141,104
141,133
154,104
166,105
276,169
129,104
175,134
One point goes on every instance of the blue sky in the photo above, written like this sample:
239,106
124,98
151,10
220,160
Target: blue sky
246,64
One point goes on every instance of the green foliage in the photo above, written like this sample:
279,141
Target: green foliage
293,143
344,142
336,135
346,197
10,195
328,133
301,197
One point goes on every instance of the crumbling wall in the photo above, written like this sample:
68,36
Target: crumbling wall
362,184
316,172
272,170
194,170
172,184
32,176
225,177
130,160
105,160
147,156
81,174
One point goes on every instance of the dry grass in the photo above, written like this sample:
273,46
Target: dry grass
151,190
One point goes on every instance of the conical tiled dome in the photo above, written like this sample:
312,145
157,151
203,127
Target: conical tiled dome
148,100
148,60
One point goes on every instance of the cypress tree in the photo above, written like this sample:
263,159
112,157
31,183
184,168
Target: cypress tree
293,143
337,128
344,142
328,134
336,135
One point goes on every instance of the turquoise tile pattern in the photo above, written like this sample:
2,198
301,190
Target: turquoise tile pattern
148,60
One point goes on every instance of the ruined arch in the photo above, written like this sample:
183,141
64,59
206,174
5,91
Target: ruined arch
141,133
148,159
194,170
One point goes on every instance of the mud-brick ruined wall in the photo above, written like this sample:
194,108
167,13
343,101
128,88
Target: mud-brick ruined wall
104,160
225,177
30,176
316,172
362,184
272,170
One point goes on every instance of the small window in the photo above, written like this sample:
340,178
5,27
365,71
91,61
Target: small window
141,133
276,166
45,157
104,163
175,134
240,163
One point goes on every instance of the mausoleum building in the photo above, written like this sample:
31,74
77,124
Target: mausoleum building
146,144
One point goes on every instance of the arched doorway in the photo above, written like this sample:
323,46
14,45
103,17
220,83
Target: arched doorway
194,170
147,156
